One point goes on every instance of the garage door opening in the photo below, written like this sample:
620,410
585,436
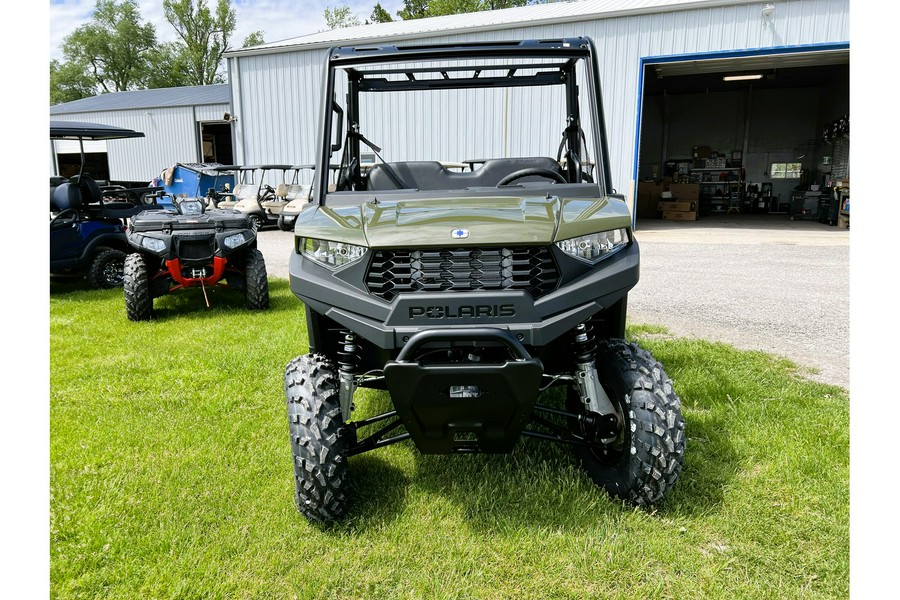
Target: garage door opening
747,139
216,145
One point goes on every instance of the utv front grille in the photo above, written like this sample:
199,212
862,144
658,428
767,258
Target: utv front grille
531,269
201,249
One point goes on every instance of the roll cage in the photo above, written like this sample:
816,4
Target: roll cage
387,69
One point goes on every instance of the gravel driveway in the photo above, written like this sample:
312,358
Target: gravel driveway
778,286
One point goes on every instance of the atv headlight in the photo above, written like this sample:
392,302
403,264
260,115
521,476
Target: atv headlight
153,244
593,247
331,254
233,241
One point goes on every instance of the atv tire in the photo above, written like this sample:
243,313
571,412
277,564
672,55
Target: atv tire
256,282
319,449
643,463
106,269
138,300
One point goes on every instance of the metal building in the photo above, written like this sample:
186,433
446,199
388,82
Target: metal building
276,87
185,124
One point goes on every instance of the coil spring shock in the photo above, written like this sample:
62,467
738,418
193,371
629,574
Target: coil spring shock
348,354
348,364
584,343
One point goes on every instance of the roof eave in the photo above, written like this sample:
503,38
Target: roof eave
400,37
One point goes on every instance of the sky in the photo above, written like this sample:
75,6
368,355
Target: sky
279,19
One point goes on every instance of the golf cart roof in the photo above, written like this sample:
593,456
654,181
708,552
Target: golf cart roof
276,167
75,130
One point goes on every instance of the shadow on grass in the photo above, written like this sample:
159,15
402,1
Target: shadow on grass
192,302
540,484
377,494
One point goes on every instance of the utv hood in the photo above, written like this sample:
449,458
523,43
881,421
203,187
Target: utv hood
465,221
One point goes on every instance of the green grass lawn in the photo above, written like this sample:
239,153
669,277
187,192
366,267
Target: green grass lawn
170,477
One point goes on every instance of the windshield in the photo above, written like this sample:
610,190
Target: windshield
445,125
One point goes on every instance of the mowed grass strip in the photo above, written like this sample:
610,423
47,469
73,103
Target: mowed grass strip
171,477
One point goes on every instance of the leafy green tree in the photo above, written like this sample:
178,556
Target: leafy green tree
254,39
112,48
380,15
419,9
203,37
413,9
69,81
340,17
168,67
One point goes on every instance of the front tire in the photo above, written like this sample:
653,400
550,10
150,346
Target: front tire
256,282
319,449
138,300
642,464
256,222
107,269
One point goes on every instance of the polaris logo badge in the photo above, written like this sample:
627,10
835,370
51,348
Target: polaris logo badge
462,312
459,234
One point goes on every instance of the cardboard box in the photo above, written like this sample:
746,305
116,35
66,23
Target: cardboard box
685,192
676,215
678,206
648,193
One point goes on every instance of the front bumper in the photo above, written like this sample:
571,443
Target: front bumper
341,296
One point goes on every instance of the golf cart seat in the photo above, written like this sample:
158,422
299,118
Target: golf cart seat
75,193
432,175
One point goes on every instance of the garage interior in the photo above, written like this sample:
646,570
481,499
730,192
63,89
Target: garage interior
748,139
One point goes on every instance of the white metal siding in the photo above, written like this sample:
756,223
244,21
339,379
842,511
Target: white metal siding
279,93
171,135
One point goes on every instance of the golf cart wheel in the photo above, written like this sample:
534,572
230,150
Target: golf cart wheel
319,450
106,269
256,285
642,464
282,225
256,222
138,301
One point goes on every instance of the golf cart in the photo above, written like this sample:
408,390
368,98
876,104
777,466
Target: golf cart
289,190
87,219
252,204
289,212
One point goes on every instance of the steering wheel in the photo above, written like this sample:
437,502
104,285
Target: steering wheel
532,172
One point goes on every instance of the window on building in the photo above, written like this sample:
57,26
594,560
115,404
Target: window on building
785,171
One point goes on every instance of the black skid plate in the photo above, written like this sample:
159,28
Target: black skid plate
459,407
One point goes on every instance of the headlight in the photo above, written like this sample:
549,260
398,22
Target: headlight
593,247
153,244
233,241
331,254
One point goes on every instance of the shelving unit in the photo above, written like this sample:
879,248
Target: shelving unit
718,194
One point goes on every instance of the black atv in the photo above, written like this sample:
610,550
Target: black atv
467,294
191,246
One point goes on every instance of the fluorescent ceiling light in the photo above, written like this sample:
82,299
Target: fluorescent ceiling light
742,77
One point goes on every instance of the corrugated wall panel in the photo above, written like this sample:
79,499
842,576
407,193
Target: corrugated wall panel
170,137
279,93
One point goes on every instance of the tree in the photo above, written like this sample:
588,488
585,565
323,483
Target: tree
413,9
380,15
340,17
69,81
112,49
203,37
254,39
419,9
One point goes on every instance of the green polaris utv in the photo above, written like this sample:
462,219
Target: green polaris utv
466,295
